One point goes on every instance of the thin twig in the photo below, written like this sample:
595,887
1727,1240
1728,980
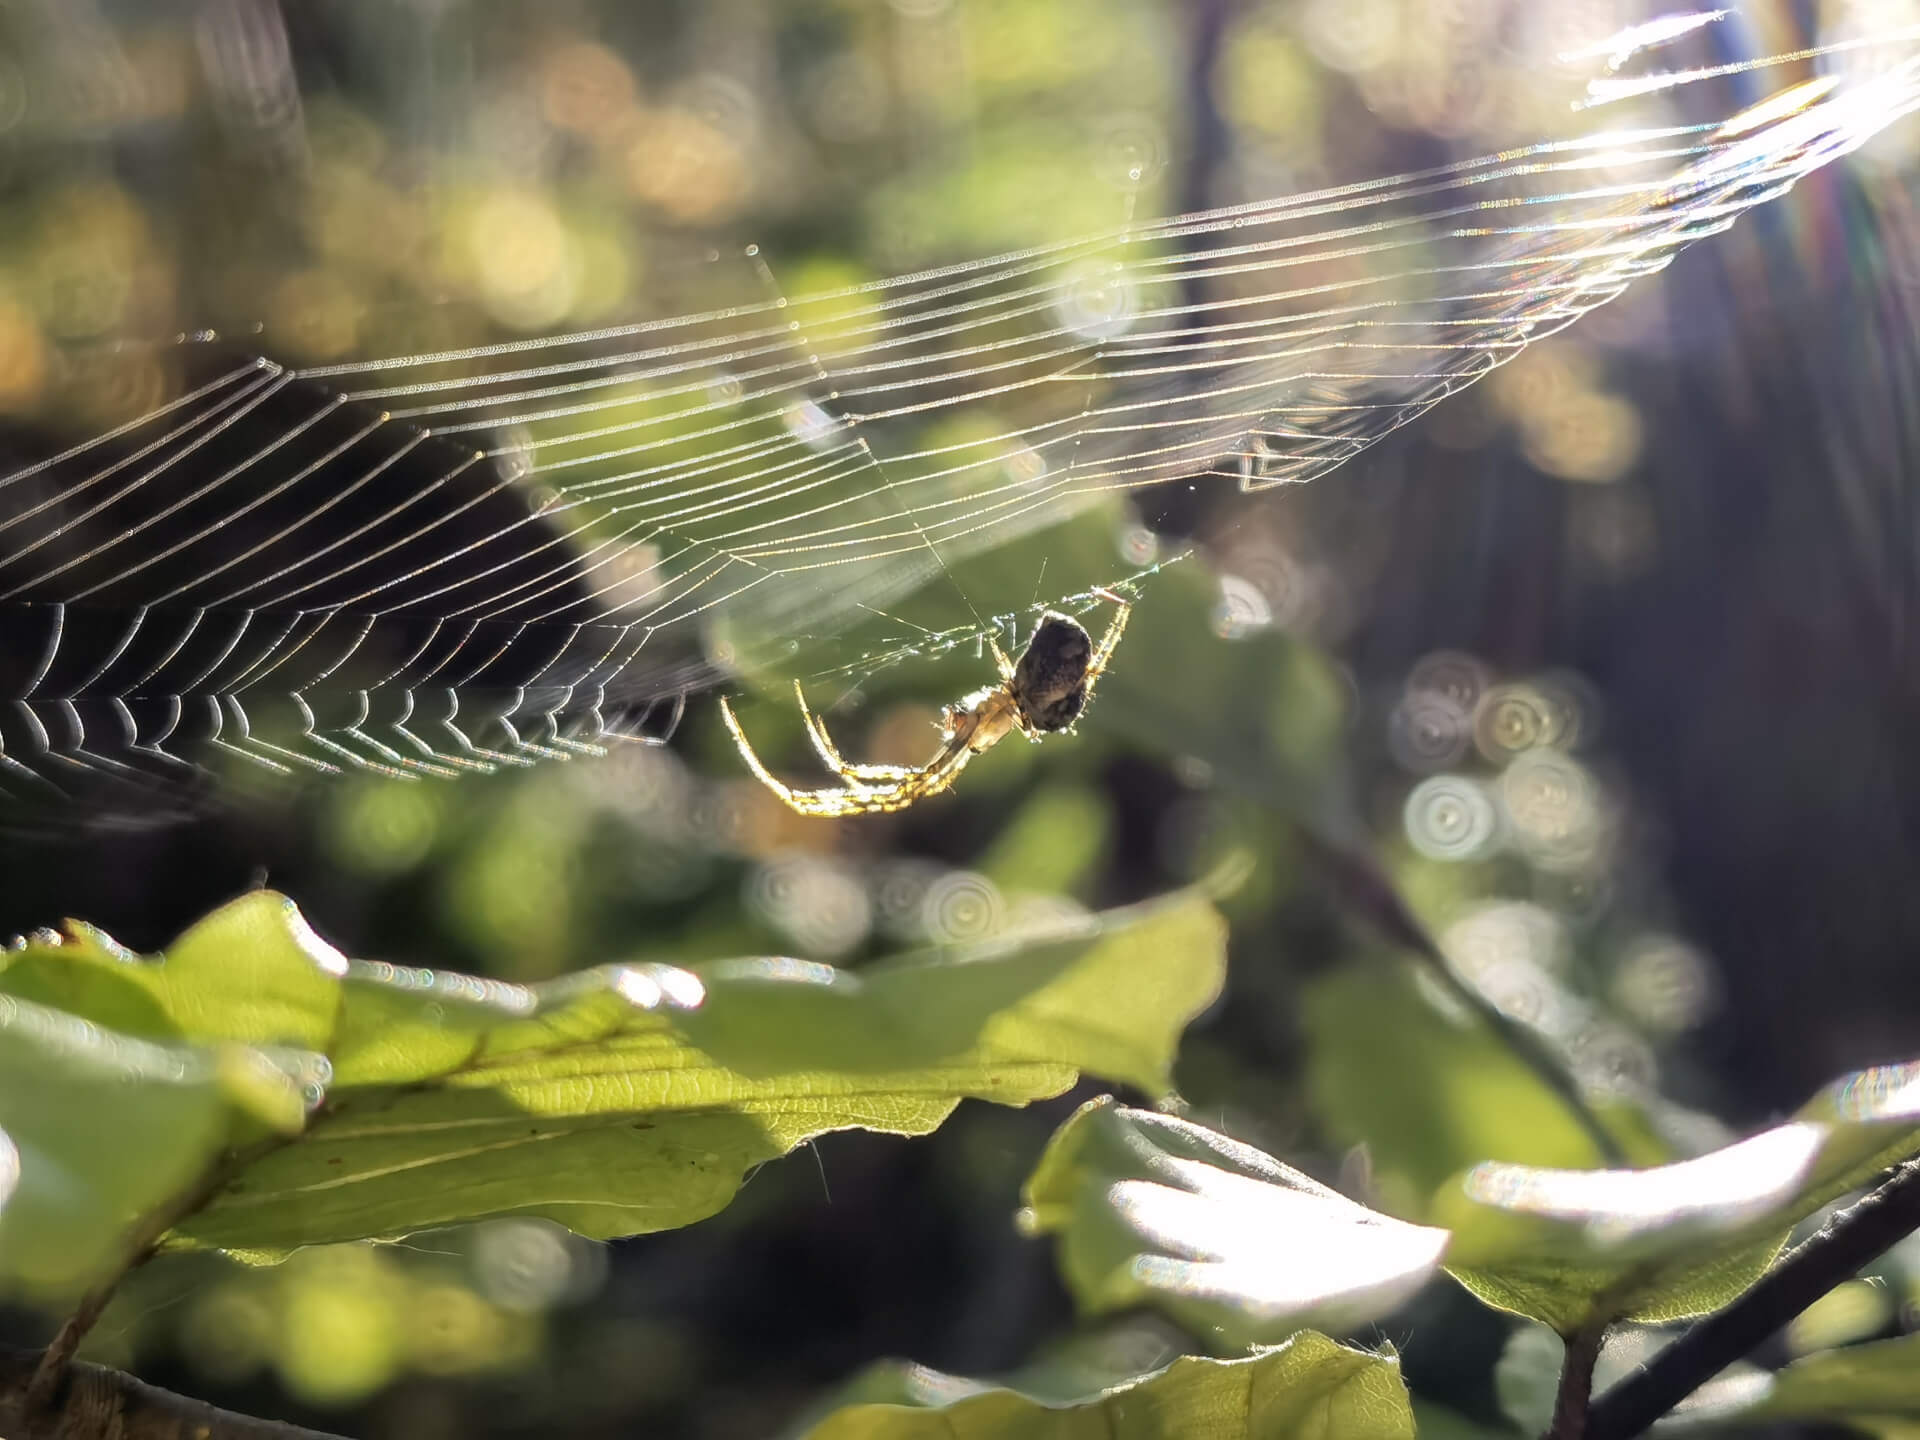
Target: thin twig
1850,1239
141,1244
103,1404
1572,1403
1369,893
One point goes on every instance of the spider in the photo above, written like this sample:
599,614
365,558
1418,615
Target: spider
1047,690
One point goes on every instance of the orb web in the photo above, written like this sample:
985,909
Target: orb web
427,564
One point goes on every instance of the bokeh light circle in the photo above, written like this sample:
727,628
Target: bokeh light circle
1456,677
1096,301
528,1265
1450,817
1612,1059
1511,720
1552,807
815,902
1241,610
1664,984
898,891
1130,152
1428,731
1138,545
961,905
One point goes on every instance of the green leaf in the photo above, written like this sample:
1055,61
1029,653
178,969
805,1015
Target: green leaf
1110,998
1227,1240
1569,1246
621,1100
98,1129
1307,1387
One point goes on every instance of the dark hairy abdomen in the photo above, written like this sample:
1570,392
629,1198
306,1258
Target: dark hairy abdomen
1050,682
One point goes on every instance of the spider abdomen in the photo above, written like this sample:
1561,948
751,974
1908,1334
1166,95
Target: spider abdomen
1050,680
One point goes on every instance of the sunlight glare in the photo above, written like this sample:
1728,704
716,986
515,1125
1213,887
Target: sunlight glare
1718,1191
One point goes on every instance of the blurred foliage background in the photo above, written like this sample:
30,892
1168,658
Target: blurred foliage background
1611,658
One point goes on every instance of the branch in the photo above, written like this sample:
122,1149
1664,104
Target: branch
141,1244
1368,892
1849,1240
1571,1405
95,1403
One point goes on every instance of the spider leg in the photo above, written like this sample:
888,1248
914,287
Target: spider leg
1109,642
828,752
1000,658
760,772
936,779
856,797
938,776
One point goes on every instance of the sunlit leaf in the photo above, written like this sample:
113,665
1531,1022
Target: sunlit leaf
1671,1241
99,1128
1653,1244
284,991
623,1099
1852,1311
1875,1116
1308,1386
1232,1243
620,1100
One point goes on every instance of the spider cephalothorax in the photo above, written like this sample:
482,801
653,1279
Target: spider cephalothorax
1046,691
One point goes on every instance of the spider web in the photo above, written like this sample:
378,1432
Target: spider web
434,563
